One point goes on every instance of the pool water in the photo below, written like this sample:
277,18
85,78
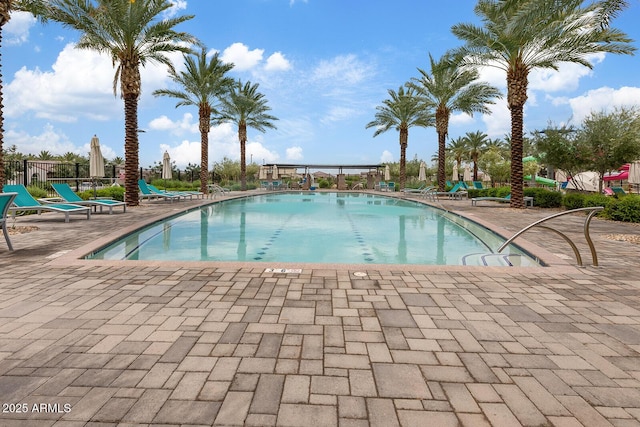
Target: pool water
317,227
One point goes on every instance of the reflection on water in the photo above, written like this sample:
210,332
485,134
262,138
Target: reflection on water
326,228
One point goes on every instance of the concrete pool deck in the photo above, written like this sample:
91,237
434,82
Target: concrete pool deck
94,343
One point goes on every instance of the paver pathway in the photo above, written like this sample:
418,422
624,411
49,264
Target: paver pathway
141,344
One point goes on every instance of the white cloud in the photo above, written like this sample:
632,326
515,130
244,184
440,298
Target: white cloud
460,119
339,113
604,98
346,69
567,78
292,2
294,153
176,7
186,125
242,58
65,93
182,154
498,123
16,31
51,140
277,62
386,157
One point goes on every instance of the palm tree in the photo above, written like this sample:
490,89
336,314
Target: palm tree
475,143
201,83
448,89
401,111
519,36
132,33
245,107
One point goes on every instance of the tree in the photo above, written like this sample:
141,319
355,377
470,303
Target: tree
475,142
133,34
448,89
401,111
519,36
557,146
610,139
245,107
202,83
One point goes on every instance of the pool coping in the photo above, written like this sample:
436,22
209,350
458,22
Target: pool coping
75,257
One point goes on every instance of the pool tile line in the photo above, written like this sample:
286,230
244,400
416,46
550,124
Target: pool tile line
272,239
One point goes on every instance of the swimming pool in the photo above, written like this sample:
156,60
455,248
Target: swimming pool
317,227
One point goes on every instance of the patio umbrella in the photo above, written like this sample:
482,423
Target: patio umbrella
454,176
96,162
466,177
422,175
275,172
634,173
262,175
486,177
166,168
387,173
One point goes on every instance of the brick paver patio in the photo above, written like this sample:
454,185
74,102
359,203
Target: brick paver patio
197,344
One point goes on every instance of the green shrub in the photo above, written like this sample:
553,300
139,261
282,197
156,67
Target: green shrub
544,198
37,192
115,192
573,201
626,209
323,183
592,200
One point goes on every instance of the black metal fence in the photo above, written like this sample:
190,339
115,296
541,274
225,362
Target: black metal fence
40,173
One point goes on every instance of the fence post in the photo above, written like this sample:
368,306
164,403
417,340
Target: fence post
25,180
77,177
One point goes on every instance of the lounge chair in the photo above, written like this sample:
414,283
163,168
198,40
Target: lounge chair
478,185
6,199
618,191
67,194
391,186
183,194
381,186
25,202
146,193
418,190
528,200
457,192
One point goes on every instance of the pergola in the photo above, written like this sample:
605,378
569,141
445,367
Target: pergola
340,168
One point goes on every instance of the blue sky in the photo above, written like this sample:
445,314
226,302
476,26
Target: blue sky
323,65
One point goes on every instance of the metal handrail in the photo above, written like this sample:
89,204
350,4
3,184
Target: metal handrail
592,212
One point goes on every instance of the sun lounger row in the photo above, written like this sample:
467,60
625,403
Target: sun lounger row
24,202
148,191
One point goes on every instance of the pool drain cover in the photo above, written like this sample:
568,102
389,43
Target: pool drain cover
360,274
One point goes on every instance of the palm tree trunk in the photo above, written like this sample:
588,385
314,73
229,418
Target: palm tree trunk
517,82
404,139
442,127
242,135
131,150
205,126
442,137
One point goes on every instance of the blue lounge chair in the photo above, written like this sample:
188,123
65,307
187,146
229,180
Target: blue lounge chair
66,194
6,199
457,192
528,200
618,191
146,193
25,202
478,185
183,194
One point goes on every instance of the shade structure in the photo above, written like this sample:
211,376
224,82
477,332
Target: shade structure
561,176
274,172
422,175
634,174
96,161
454,175
466,177
387,173
166,166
